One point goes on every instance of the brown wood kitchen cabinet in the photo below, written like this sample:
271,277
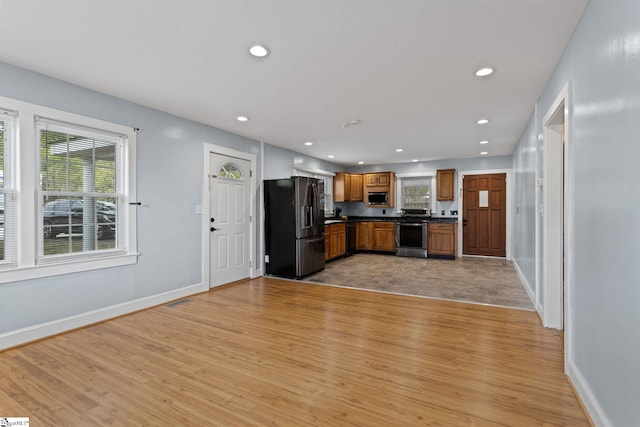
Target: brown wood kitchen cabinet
384,236
379,182
444,182
363,236
442,240
347,187
335,243
376,236
378,179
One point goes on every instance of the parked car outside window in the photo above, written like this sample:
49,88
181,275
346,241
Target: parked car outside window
66,216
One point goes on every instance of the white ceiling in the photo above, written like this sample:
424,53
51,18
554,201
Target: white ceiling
404,68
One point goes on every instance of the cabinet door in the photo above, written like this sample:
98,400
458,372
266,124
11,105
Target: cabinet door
327,242
340,240
442,239
371,179
339,187
384,236
363,239
384,178
357,191
444,182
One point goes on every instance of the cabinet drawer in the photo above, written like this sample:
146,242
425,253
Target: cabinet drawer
441,227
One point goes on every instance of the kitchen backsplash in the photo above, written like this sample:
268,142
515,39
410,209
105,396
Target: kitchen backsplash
359,209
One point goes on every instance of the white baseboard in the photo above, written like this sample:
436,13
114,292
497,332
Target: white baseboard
43,330
585,393
525,283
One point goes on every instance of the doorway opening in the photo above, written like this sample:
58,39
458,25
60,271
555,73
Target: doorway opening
555,284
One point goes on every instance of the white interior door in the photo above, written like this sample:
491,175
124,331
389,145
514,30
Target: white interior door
230,219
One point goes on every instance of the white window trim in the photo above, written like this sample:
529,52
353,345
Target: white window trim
27,186
11,203
401,176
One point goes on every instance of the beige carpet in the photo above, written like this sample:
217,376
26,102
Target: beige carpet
478,280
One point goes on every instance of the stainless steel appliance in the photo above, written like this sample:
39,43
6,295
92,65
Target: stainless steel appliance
378,198
411,233
294,226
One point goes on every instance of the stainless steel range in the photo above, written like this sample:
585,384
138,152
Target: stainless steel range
411,233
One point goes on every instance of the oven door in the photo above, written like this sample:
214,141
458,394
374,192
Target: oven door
411,239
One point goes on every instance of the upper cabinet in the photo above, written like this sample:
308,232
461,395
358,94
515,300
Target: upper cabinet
378,179
347,187
444,182
382,185
357,188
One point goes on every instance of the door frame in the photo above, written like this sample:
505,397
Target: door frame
461,175
206,256
556,277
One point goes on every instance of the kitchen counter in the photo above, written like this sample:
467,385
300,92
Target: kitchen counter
434,219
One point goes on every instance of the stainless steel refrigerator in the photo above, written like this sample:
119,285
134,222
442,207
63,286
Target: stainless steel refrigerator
294,226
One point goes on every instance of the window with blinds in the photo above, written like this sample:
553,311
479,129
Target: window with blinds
416,193
8,197
81,195
66,183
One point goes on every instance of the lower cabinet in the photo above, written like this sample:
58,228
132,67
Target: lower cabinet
363,236
335,240
376,236
442,240
384,236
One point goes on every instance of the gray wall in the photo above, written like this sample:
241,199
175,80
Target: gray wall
602,62
279,162
169,184
460,165
523,205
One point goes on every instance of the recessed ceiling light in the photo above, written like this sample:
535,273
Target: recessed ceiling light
331,156
414,160
242,118
308,143
259,51
483,72
361,162
482,121
484,142
484,153
399,150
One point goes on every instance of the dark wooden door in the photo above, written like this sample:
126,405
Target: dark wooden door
484,230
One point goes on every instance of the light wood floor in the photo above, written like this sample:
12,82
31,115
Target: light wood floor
287,353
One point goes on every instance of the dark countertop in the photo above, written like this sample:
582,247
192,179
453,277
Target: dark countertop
435,219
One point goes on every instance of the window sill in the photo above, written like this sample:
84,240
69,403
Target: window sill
68,267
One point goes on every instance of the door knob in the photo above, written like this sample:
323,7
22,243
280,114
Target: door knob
464,222
213,229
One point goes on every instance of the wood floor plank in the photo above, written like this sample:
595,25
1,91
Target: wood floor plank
279,352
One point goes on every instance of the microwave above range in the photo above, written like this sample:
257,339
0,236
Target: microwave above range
378,198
